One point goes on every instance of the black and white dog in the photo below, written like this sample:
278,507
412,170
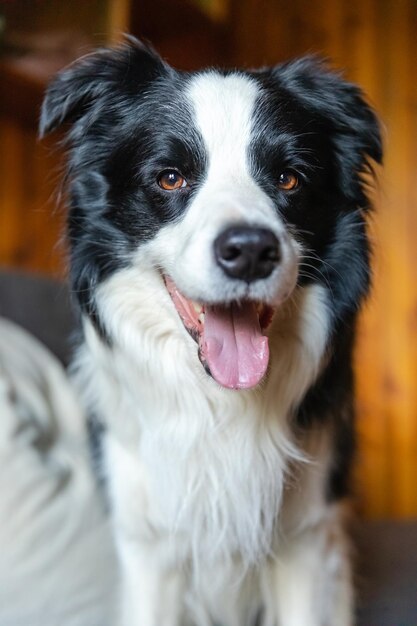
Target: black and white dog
219,256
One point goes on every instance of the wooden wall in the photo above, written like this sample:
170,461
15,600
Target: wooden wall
375,42
31,222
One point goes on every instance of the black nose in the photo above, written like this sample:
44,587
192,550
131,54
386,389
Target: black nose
247,253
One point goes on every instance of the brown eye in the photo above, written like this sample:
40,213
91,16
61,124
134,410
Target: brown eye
287,180
170,180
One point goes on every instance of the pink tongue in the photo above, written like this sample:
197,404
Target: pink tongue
232,344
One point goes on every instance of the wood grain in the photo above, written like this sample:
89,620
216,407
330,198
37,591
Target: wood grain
31,222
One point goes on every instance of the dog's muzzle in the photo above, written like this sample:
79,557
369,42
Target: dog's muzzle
232,344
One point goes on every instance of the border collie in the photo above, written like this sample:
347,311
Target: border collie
219,255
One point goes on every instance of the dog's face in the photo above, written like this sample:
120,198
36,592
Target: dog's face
236,187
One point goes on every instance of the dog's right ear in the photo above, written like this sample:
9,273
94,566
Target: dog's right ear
76,89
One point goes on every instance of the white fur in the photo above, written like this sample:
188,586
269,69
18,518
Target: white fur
209,487
240,440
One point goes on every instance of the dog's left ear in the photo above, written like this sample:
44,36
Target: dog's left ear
343,112
77,89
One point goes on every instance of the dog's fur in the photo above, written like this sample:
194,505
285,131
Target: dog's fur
227,504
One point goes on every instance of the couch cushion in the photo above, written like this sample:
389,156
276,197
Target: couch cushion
387,555
42,306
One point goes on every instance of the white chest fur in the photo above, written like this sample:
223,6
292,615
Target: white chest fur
208,464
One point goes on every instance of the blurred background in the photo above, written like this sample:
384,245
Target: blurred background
373,41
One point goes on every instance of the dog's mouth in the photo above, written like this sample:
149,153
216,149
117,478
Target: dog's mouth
231,343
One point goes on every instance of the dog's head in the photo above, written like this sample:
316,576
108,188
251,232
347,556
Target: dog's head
235,187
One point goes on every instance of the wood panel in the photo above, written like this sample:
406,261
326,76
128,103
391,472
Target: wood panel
31,222
374,41
31,217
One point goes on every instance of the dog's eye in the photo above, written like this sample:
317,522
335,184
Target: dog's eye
170,180
288,180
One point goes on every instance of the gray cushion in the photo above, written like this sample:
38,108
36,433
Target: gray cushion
387,555
42,306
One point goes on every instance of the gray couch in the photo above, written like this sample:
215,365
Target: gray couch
387,551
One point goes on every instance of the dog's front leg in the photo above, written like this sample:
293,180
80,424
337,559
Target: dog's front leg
309,582
150,594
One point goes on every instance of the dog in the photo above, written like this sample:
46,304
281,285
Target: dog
219,256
